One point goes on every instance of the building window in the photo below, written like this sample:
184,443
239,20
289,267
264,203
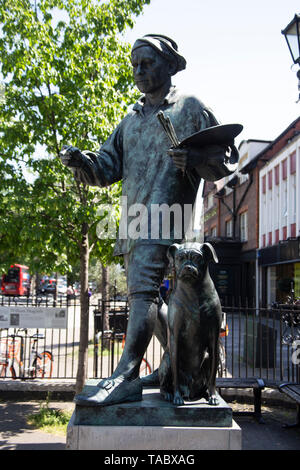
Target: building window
284,169
270,238
244,226
284,191
213,231
293,230
228,228
210,201
293,163
284,233
277,207
270,179
277,235
276,174
264,240
264,184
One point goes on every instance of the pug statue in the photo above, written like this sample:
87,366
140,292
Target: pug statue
189,365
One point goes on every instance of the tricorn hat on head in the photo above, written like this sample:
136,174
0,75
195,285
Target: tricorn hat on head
164,46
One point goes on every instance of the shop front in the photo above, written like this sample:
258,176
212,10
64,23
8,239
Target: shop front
280,271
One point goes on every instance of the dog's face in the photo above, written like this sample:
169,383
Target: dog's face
190,260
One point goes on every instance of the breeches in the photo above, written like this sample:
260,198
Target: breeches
145,268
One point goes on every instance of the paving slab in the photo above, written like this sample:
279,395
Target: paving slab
16,434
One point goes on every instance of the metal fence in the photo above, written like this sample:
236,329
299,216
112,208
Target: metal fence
261,342
18,358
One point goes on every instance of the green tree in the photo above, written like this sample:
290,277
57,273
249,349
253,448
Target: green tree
67,77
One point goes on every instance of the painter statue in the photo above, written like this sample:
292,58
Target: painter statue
157,153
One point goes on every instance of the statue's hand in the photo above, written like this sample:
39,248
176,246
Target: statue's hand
209,155
180,158
71,157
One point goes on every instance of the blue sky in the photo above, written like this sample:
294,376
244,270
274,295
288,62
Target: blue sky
238,62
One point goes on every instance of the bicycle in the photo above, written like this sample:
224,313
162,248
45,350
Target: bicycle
40,364
222,353
10,352
289,318
145,367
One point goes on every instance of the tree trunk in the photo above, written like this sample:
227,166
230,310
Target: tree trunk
84,311
105,303
34,285
56,289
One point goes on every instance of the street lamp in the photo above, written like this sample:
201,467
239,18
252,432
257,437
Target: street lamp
292,36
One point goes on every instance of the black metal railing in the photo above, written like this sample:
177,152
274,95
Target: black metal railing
25,317
261,342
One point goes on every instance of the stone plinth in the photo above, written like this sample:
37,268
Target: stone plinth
153,424
153,437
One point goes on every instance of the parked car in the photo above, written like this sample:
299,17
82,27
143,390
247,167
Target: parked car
48,287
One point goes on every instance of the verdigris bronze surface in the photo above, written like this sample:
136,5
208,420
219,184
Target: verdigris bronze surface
153,411
139,153
189,365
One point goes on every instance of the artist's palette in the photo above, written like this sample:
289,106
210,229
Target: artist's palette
221,134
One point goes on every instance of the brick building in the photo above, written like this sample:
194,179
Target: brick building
231,224
279,208
241,226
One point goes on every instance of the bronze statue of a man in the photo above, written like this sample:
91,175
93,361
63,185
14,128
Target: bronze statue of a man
138,153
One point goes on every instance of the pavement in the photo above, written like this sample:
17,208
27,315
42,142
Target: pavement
17,434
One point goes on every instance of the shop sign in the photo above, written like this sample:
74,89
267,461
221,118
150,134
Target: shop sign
224,281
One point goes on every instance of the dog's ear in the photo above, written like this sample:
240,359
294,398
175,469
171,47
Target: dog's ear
171,252
209,252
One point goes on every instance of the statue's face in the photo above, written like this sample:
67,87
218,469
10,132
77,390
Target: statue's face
150,70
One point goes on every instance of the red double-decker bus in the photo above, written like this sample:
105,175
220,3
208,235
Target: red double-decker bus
16,281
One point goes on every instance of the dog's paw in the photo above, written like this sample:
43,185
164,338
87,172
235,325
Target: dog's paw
213,400
178,400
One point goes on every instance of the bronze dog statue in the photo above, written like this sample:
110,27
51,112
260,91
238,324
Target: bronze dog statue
189,365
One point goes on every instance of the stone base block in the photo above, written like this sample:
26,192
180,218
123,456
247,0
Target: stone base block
80,437
153,424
